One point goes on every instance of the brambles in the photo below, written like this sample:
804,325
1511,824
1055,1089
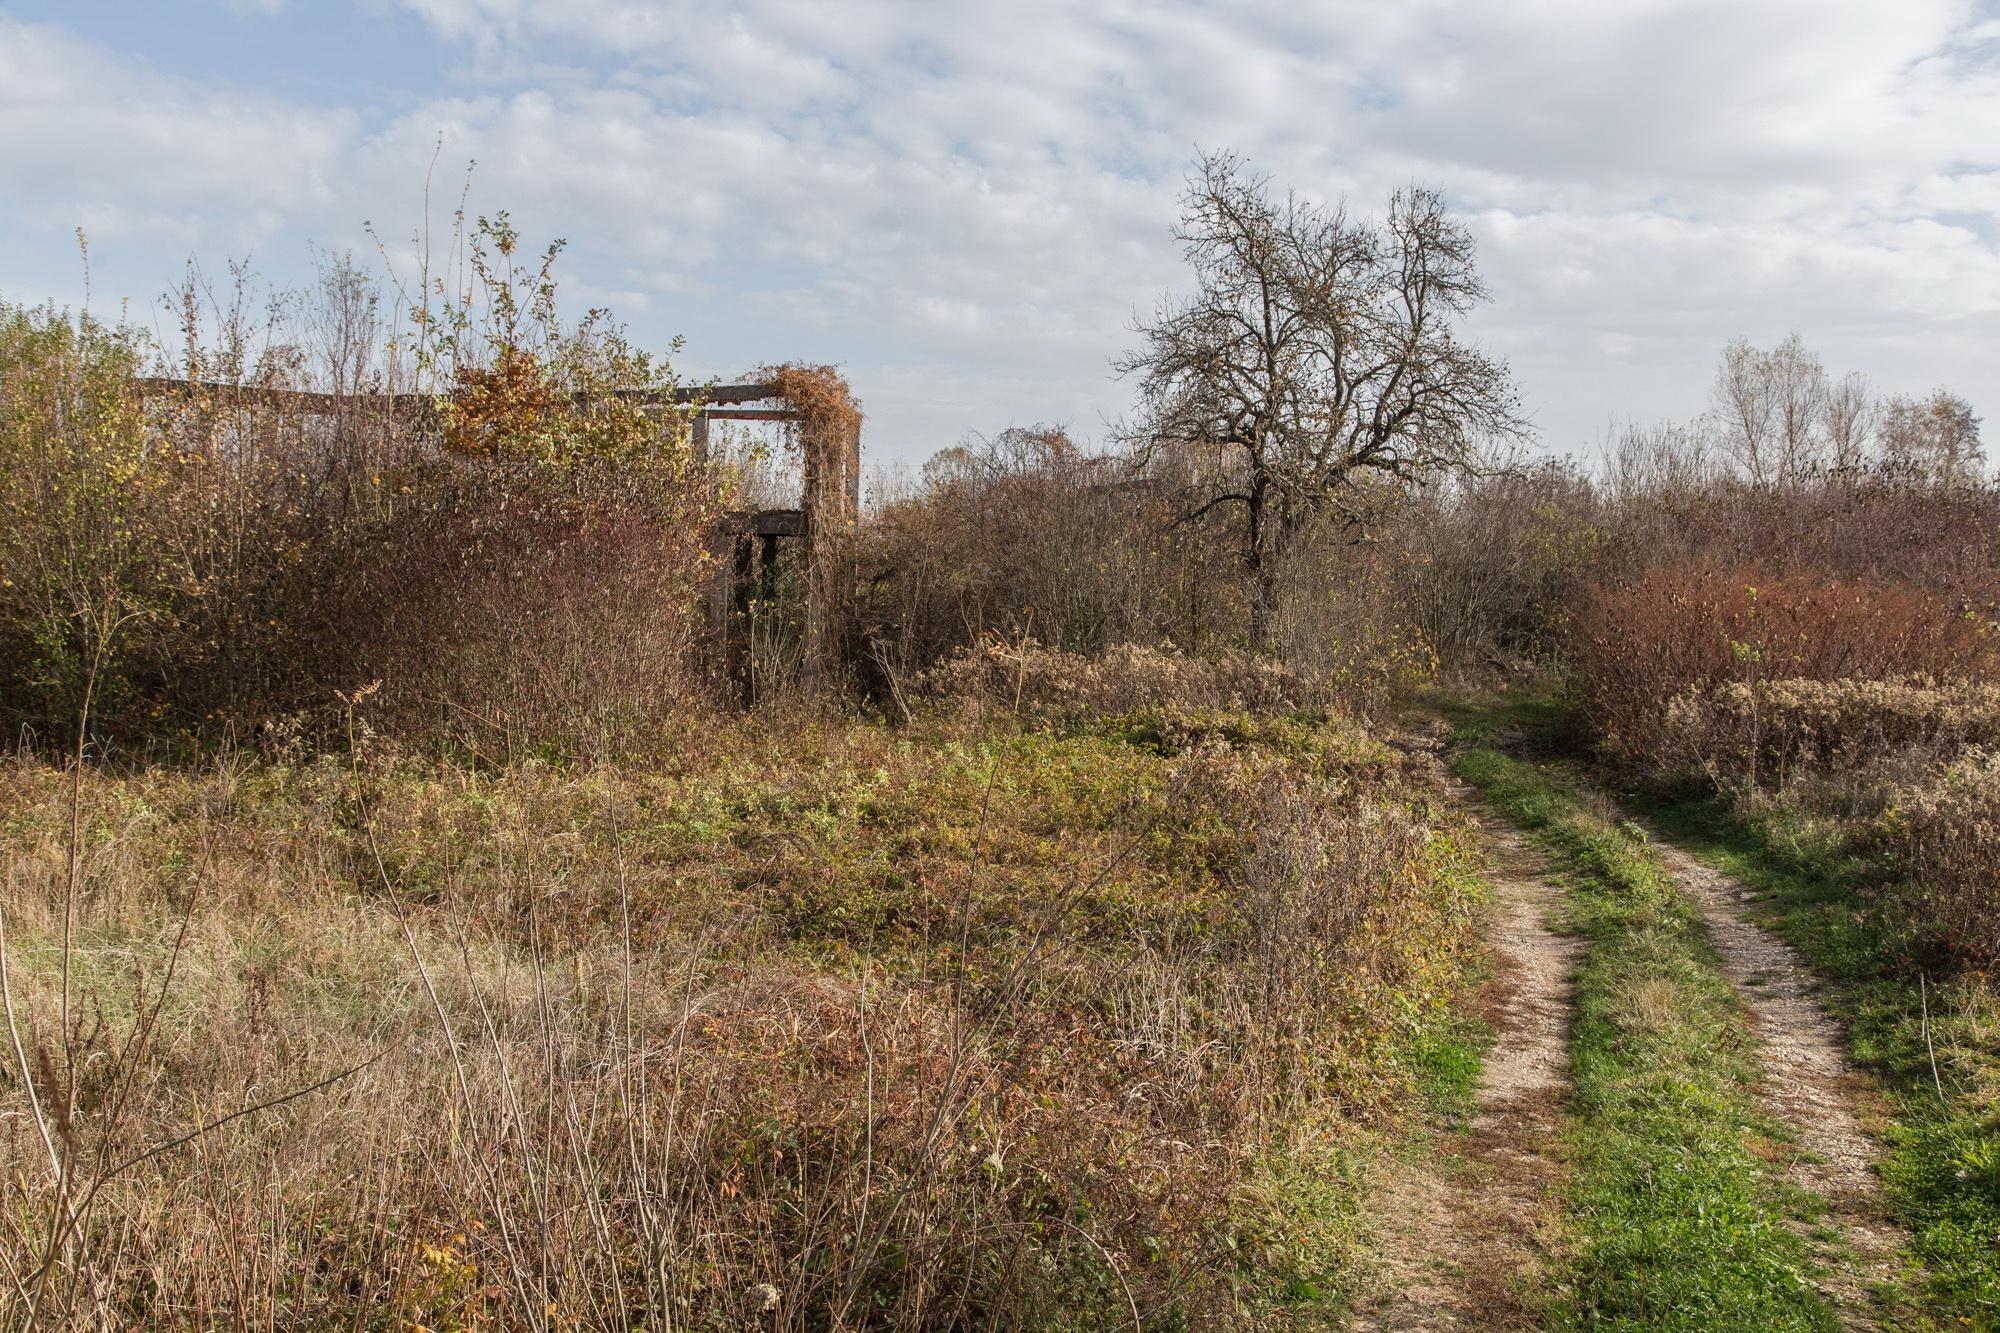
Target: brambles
1869,705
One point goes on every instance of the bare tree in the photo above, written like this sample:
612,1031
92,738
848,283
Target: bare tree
1934,439
1645,463
1798,399
1771,408
1318,355
1741,405
1850,422
343,318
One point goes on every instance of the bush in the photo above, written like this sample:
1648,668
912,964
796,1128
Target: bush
1639,644
502,619
1490,567
92,516
1775,732
1948,831
1027,533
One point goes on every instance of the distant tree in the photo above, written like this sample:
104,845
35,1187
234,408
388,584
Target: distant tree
1645,463
1772,409
1799,393
1741,406
1933,439
1850,422
1318,355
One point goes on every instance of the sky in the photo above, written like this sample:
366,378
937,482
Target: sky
966,206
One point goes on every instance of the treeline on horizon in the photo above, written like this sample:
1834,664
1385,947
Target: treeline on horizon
528,565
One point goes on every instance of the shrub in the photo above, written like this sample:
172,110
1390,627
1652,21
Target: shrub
503,619
92,522
1948,831
1491,566
1638,644
1028,533
1026,676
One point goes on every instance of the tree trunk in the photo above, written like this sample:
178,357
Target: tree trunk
1263,604
1261,562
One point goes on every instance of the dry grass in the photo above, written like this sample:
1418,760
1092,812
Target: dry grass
845,1028
1842,744
1025,675
1948,830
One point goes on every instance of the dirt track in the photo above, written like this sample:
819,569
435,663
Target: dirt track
1466,1229
1809,1084
1467,1226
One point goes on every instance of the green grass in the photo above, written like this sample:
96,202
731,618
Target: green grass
1442,1060
1838,908
1674,1221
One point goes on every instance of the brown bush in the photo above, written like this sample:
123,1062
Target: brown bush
1638,644
1027,533
1029,676
1948,831
1667,501
501,621
1867,733
1489,568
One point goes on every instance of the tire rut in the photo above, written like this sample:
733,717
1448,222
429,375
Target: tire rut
1809,1084
1467,1228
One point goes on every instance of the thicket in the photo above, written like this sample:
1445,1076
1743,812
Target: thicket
1948,830
513,558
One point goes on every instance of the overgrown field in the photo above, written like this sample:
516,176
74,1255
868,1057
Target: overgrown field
454,875
806,1024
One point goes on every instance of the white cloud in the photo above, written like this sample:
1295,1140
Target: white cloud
978,196
88,135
